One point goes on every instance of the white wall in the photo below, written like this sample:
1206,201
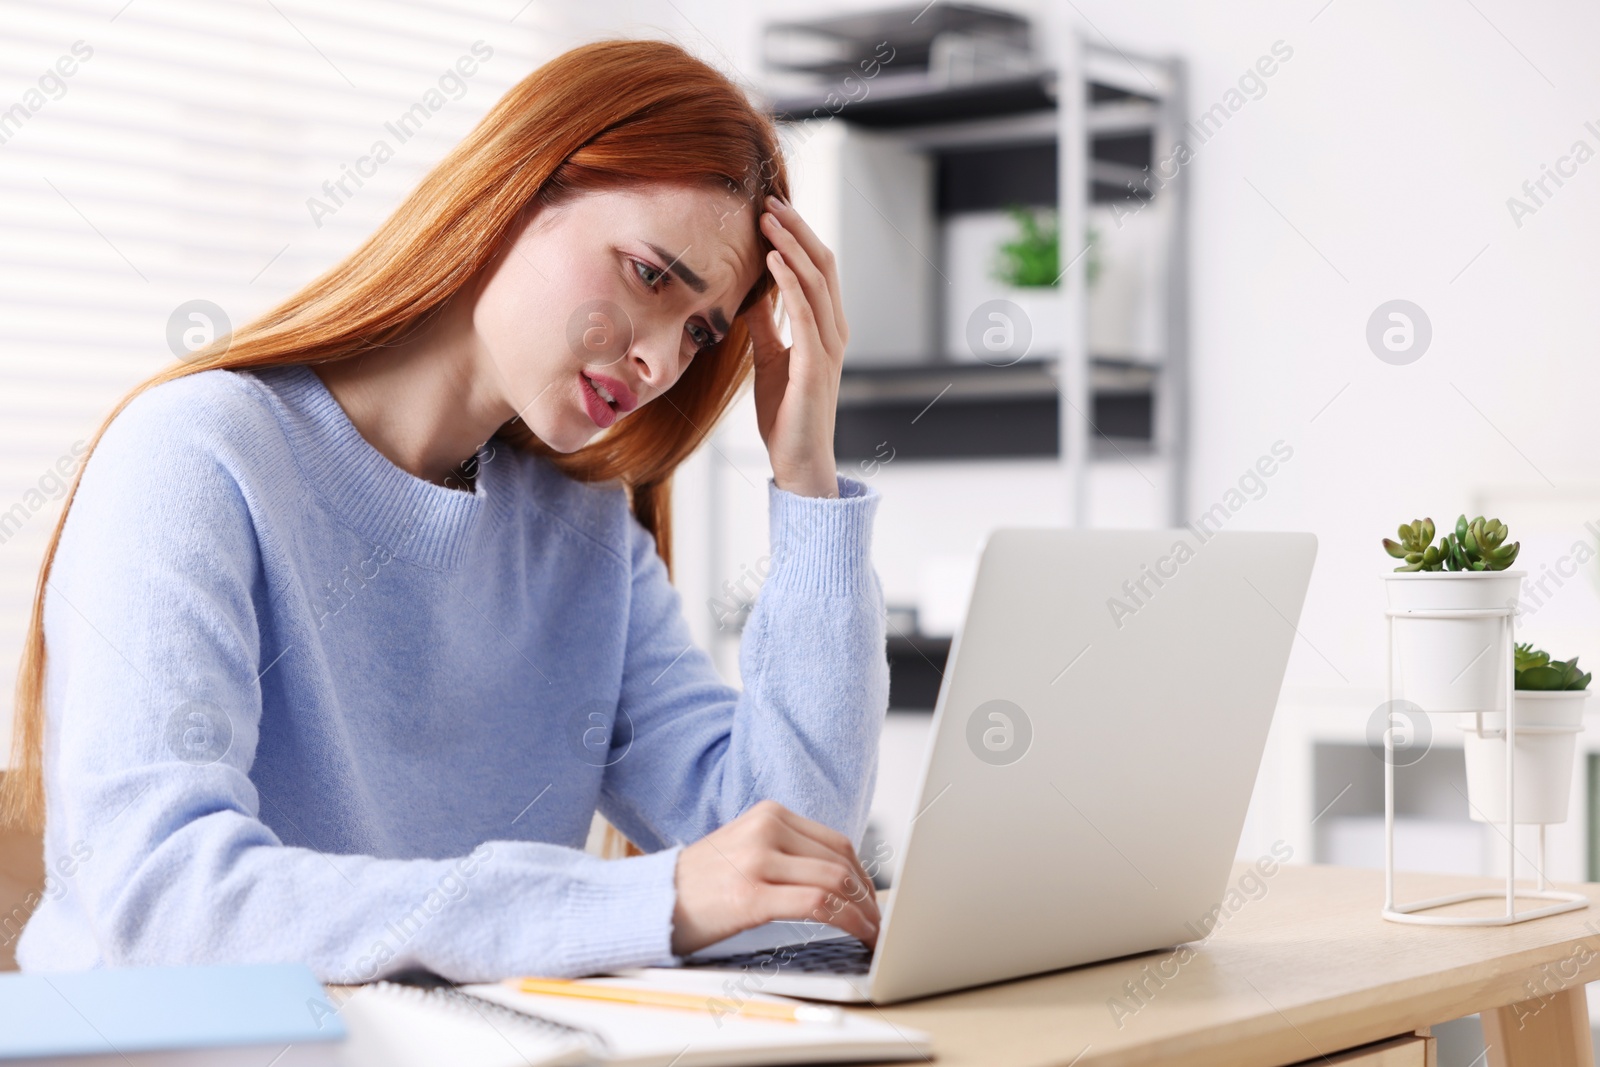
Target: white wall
1377,166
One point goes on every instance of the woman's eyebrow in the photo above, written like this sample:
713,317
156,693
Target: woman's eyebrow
719,321
690,278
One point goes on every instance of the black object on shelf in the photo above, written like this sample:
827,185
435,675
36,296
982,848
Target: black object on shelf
947,411
975,411
974,429
1112,94
994,178
1124,417
1133,149
916,668
915,100
840,45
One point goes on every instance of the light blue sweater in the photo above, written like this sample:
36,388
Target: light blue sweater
303,705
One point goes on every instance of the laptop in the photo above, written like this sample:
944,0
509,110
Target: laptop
1095,742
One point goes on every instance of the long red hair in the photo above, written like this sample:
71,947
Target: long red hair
602,116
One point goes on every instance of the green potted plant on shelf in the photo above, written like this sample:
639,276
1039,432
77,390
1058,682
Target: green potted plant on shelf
1031,259
1450,663
1029,265
1549,698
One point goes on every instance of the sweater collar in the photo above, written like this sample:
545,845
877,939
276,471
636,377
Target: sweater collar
410,517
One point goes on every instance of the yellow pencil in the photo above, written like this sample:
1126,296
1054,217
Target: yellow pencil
661,998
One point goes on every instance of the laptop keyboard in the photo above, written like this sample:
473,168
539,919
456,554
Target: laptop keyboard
836,955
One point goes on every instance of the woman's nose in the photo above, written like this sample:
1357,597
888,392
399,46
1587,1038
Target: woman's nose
655,361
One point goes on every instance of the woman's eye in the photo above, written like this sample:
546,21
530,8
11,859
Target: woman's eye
700,336
647,274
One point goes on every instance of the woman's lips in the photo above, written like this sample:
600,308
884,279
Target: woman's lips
601,413
626,401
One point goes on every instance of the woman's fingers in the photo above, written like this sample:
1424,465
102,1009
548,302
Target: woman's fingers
767,864
761,321
764,328
802,320
811,366
795,413
796,902
820,254
810,836
813,283
835,873
784,868
815,288
805,325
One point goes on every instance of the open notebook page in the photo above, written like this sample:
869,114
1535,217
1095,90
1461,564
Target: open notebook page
639,1036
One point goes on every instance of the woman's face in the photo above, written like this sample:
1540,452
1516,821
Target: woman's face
610,295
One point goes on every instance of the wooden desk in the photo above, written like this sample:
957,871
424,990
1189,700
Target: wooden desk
1303,972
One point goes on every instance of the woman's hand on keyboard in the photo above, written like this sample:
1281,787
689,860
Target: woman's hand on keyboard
770,864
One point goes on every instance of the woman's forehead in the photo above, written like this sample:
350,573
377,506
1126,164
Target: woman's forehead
707,230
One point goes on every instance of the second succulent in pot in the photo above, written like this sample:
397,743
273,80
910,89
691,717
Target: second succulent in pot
1536,671
1478,545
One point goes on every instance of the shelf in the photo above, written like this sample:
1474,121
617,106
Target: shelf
842,45
866,384
1017,109
933,411
932,147
915,100
992,177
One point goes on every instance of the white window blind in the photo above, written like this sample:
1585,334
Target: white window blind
163,151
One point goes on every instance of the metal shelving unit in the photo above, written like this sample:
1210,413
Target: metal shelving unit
1118,117
1102,120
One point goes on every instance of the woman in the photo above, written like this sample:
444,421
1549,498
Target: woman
356,619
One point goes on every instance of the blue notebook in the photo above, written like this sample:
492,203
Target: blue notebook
177,1015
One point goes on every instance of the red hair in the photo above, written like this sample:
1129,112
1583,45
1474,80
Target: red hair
602,116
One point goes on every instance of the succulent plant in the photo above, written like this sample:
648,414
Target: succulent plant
1415,547
1528,657
1479,545
1536,671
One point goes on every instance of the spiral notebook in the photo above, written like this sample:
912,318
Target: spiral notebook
394,1025
397,1025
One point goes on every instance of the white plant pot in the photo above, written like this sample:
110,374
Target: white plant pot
980,328
1544,759
1045,310
1447,664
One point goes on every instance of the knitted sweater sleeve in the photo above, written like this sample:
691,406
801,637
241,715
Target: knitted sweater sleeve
691,753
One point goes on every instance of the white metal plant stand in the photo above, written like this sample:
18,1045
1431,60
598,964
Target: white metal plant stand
1409,913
